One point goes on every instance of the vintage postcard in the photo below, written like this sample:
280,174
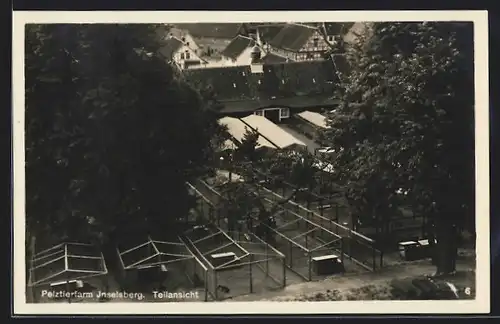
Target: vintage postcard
281,162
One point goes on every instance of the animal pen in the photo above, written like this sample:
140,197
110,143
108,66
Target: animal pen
358,249
237,265
154,265
306,246
63,265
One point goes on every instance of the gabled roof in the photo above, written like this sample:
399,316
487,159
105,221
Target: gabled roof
237,46
275,134
237,129
283,82
314,118
228,83
292,37
170,46
212,30
268,32
272,58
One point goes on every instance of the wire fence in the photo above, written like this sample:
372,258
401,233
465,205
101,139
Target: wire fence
358,248
297,238
236,263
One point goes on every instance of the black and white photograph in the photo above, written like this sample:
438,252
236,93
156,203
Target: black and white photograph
198,159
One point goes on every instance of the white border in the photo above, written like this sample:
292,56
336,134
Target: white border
480,305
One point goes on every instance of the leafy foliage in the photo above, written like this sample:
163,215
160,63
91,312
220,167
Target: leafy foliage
406,124
111,133
248,148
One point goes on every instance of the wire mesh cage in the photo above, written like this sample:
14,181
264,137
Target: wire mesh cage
66,261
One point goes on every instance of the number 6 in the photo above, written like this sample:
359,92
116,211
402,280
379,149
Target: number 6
467,291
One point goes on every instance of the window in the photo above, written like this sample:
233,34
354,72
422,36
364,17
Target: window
182,56
187,55
284,112
183,39
316,42
330,38
314,80
187,44
234,85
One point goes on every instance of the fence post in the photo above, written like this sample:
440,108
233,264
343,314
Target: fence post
291,254
206,284
374,261
342,250
310,265
306,240
267,260
216,291
284,272
251,276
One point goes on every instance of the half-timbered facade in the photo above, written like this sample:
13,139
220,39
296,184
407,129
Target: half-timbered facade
299,43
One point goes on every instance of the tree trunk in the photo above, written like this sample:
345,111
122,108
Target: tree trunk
446,247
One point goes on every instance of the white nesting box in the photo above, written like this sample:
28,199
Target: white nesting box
406,249
425,248
219,259
327,264
70,285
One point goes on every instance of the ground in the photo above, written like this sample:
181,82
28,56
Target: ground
368,286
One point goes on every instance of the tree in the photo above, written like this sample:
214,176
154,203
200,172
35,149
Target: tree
112,134
406,123
248,148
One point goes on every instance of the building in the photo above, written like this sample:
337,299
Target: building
276,90
237,130
279,138
238,51
334,30
176,51
210,38
299,42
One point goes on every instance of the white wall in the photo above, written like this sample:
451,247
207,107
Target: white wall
245,57
179,33
180,59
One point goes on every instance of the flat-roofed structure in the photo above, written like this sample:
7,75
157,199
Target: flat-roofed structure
237,129
272,132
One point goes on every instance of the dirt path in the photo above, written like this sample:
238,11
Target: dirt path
347,282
